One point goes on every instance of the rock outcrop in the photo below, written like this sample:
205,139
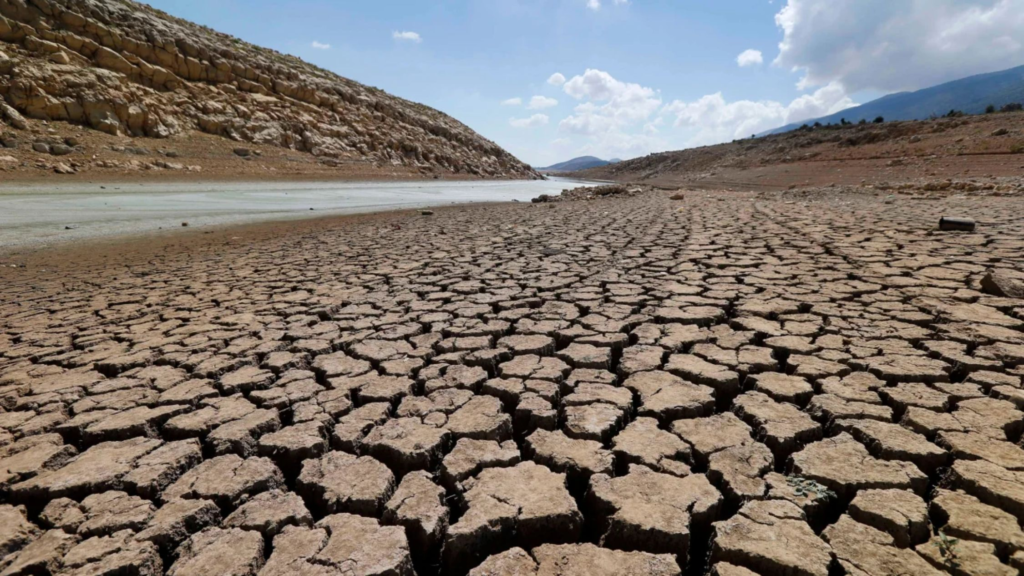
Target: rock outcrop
127,69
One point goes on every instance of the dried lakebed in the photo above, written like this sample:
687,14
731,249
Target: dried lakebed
725,384
33,215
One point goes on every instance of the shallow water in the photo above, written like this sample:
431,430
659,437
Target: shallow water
39,214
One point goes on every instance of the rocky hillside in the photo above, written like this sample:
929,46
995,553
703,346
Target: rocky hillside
987,149
129,70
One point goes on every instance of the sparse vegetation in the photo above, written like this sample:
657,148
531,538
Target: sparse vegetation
947,548
990,109
807,487
880,120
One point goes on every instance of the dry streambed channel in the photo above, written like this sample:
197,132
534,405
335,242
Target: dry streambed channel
723,383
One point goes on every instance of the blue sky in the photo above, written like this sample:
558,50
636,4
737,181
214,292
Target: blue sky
640,75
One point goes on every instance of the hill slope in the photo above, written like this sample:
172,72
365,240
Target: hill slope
581,163
126,69
969,95
985,146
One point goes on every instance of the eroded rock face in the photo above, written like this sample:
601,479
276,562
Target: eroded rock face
123,69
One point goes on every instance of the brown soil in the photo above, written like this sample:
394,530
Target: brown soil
657,383
916,154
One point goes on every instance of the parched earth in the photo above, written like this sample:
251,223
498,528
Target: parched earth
811,384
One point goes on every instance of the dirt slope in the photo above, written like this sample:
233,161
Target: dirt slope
985,150
130,71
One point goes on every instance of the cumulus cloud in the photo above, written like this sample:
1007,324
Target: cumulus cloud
407,36
512,102
905,45
320,45
596,4
608,103
556,79
716,120
750,58
542,102
534,121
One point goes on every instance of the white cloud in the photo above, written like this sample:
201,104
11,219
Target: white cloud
750,58
556,79
609,103
320,45
407,36
532,122
512,102
715,120
541,102
596,4
890,45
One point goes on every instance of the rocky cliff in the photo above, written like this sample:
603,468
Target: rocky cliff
130,70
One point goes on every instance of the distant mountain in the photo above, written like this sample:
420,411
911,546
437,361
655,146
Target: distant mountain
970,95
581,163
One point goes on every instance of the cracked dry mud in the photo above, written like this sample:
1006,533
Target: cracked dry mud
726,384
